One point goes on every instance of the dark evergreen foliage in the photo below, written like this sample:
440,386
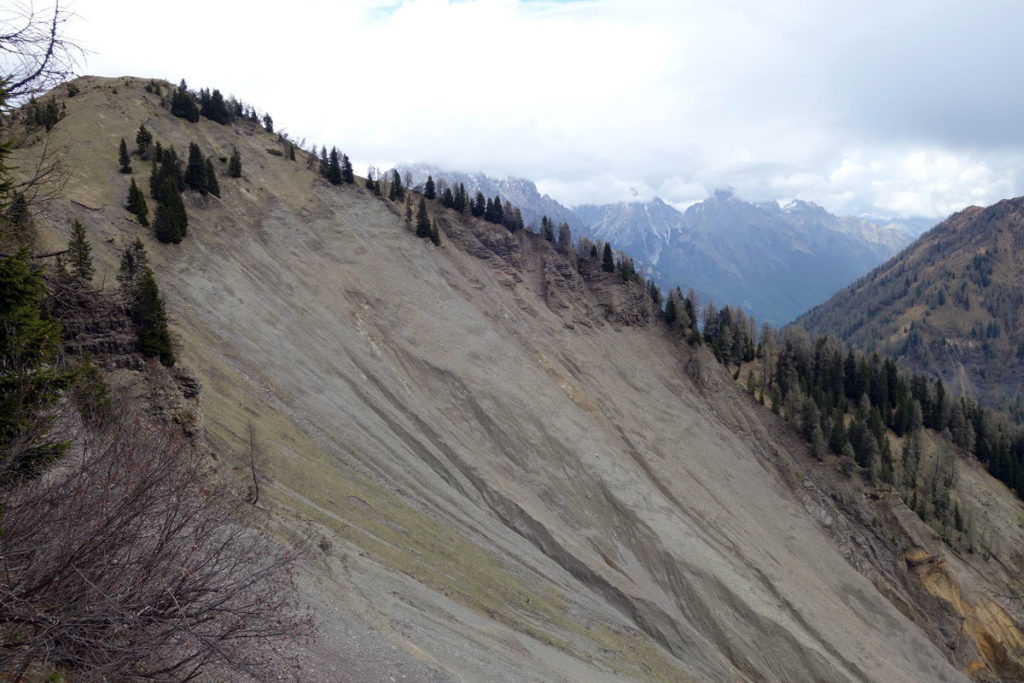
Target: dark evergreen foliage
447,198
150,318
171,222
479,205
334,167
31,380
123,158
268,123
80,253
347,174
212,184
235,164
422,220
213,107
143,139
435,234
166,166
183,104
396,191
608,259
137,204
195,173
429,190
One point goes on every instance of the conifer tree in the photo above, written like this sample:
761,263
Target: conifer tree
671,312
143,139
80,253
212,184
195,173
564,237
123,158
447,198
30,378
137,204
422,220
461,199
546,230
608,259
429,191
150,319
347,174
435,234
183,105
334,168
171,221
268,123
396,191
235,164
479,205
134,261
497,215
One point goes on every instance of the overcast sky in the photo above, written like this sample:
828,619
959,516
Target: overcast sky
893,108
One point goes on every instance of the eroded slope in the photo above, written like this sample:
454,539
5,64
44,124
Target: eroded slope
508,482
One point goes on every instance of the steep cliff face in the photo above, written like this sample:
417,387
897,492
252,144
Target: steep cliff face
509,470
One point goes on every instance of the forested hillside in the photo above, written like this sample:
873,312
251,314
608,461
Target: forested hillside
951,306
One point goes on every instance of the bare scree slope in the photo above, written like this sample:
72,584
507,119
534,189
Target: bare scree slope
514,471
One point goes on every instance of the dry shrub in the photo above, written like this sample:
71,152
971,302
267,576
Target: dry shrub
125,561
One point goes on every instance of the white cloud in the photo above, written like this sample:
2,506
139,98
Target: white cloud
871,106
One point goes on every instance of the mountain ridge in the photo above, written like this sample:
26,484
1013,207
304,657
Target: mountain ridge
510,467
947,305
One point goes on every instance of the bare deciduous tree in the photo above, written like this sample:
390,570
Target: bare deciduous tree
125,561
34,54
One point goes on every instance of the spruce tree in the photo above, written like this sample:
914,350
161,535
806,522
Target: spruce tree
195,173
671,312
479,205
334,167
31,380
268,123
497,214
422,220
143,139
80,253
171,221
435,234
564,237
347,174
447,198
235,164
123,158
546,230
150,319
212,185
137,204
134,261
429,191
608,259
397,191
183,105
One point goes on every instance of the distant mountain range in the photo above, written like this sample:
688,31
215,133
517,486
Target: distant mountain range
776,262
